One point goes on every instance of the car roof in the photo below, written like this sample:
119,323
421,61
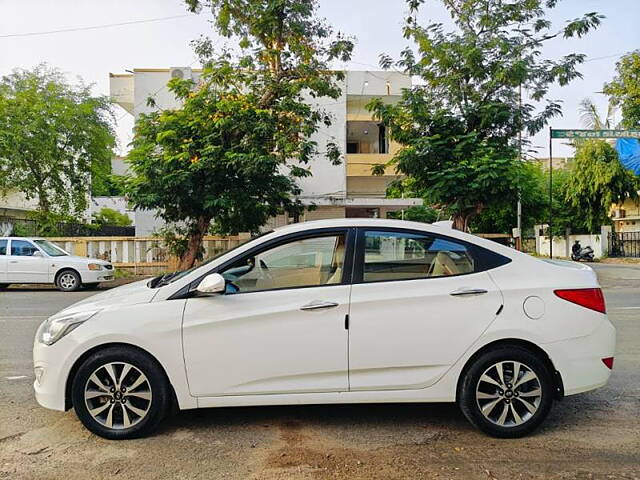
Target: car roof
443,228
22,238
356,222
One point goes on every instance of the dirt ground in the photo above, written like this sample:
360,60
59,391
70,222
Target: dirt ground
590,436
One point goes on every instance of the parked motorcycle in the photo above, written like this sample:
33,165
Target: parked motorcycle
578,253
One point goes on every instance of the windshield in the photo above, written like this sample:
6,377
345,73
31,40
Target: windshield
172,277
50,249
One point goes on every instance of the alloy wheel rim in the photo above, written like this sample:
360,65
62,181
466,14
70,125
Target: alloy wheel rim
118,395
67,280
508,393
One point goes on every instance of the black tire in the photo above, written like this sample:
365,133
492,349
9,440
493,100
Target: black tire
471,387
157,385
68,281
91,286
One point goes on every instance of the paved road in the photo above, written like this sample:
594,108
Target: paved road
595,435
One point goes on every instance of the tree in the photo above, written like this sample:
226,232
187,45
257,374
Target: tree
229,157
501,215
51,135
109,216
459,128
596,181
624,90
592,119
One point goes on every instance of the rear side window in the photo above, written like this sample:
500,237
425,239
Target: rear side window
405,256
3,247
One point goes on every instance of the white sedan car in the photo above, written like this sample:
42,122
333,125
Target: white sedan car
36,260
340,311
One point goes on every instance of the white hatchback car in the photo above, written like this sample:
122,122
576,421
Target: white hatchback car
36,260
340,311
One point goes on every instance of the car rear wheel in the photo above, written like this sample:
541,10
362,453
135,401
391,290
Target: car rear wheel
68,281
120,393
507,392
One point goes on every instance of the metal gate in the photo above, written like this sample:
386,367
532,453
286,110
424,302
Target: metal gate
624,244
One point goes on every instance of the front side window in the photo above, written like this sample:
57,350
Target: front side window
3,247
300,263
51,249
21,248
405,256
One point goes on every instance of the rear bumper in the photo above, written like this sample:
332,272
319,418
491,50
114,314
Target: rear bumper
579,360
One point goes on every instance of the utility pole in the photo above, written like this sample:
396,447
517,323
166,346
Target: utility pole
519,208
550,191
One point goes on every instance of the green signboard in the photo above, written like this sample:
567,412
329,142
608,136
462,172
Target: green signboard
595,133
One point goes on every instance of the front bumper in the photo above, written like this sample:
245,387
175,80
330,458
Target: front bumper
97,276
579,360
50,384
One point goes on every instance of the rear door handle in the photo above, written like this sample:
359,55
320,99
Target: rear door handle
318,305
468,292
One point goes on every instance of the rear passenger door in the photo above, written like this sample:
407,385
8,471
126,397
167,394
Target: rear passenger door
419,300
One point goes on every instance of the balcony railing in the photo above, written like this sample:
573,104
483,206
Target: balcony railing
360,164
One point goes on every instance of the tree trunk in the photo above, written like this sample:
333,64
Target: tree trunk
194,243
461,219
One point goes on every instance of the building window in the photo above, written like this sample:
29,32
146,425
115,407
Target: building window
367,137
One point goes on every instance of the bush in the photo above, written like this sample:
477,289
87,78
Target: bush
109,216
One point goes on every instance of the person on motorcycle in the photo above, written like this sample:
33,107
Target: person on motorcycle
576,249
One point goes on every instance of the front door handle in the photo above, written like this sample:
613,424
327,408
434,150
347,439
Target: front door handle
318,305
468,292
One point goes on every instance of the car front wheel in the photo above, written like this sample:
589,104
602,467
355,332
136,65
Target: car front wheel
507,392
68,281
120,393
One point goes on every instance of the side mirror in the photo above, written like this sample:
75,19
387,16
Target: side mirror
214,283
37,253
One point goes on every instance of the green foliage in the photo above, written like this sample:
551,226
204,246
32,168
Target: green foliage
52,134
175,239
232,152
104,183
426,213
597,180
49,224
624,90
420,213
459,129
565,214
109,216
500,216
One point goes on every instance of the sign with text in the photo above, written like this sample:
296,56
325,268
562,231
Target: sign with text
595,133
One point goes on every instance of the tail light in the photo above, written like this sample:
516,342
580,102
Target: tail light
608,362
591,298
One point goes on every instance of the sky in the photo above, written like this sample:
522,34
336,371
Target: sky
375,24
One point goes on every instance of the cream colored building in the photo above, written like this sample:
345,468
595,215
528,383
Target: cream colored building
626,216
15,205
336,191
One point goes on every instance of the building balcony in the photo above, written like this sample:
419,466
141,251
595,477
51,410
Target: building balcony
360,164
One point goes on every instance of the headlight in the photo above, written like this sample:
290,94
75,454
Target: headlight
56,327
95,266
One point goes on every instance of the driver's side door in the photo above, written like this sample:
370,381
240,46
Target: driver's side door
280,328
26,263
